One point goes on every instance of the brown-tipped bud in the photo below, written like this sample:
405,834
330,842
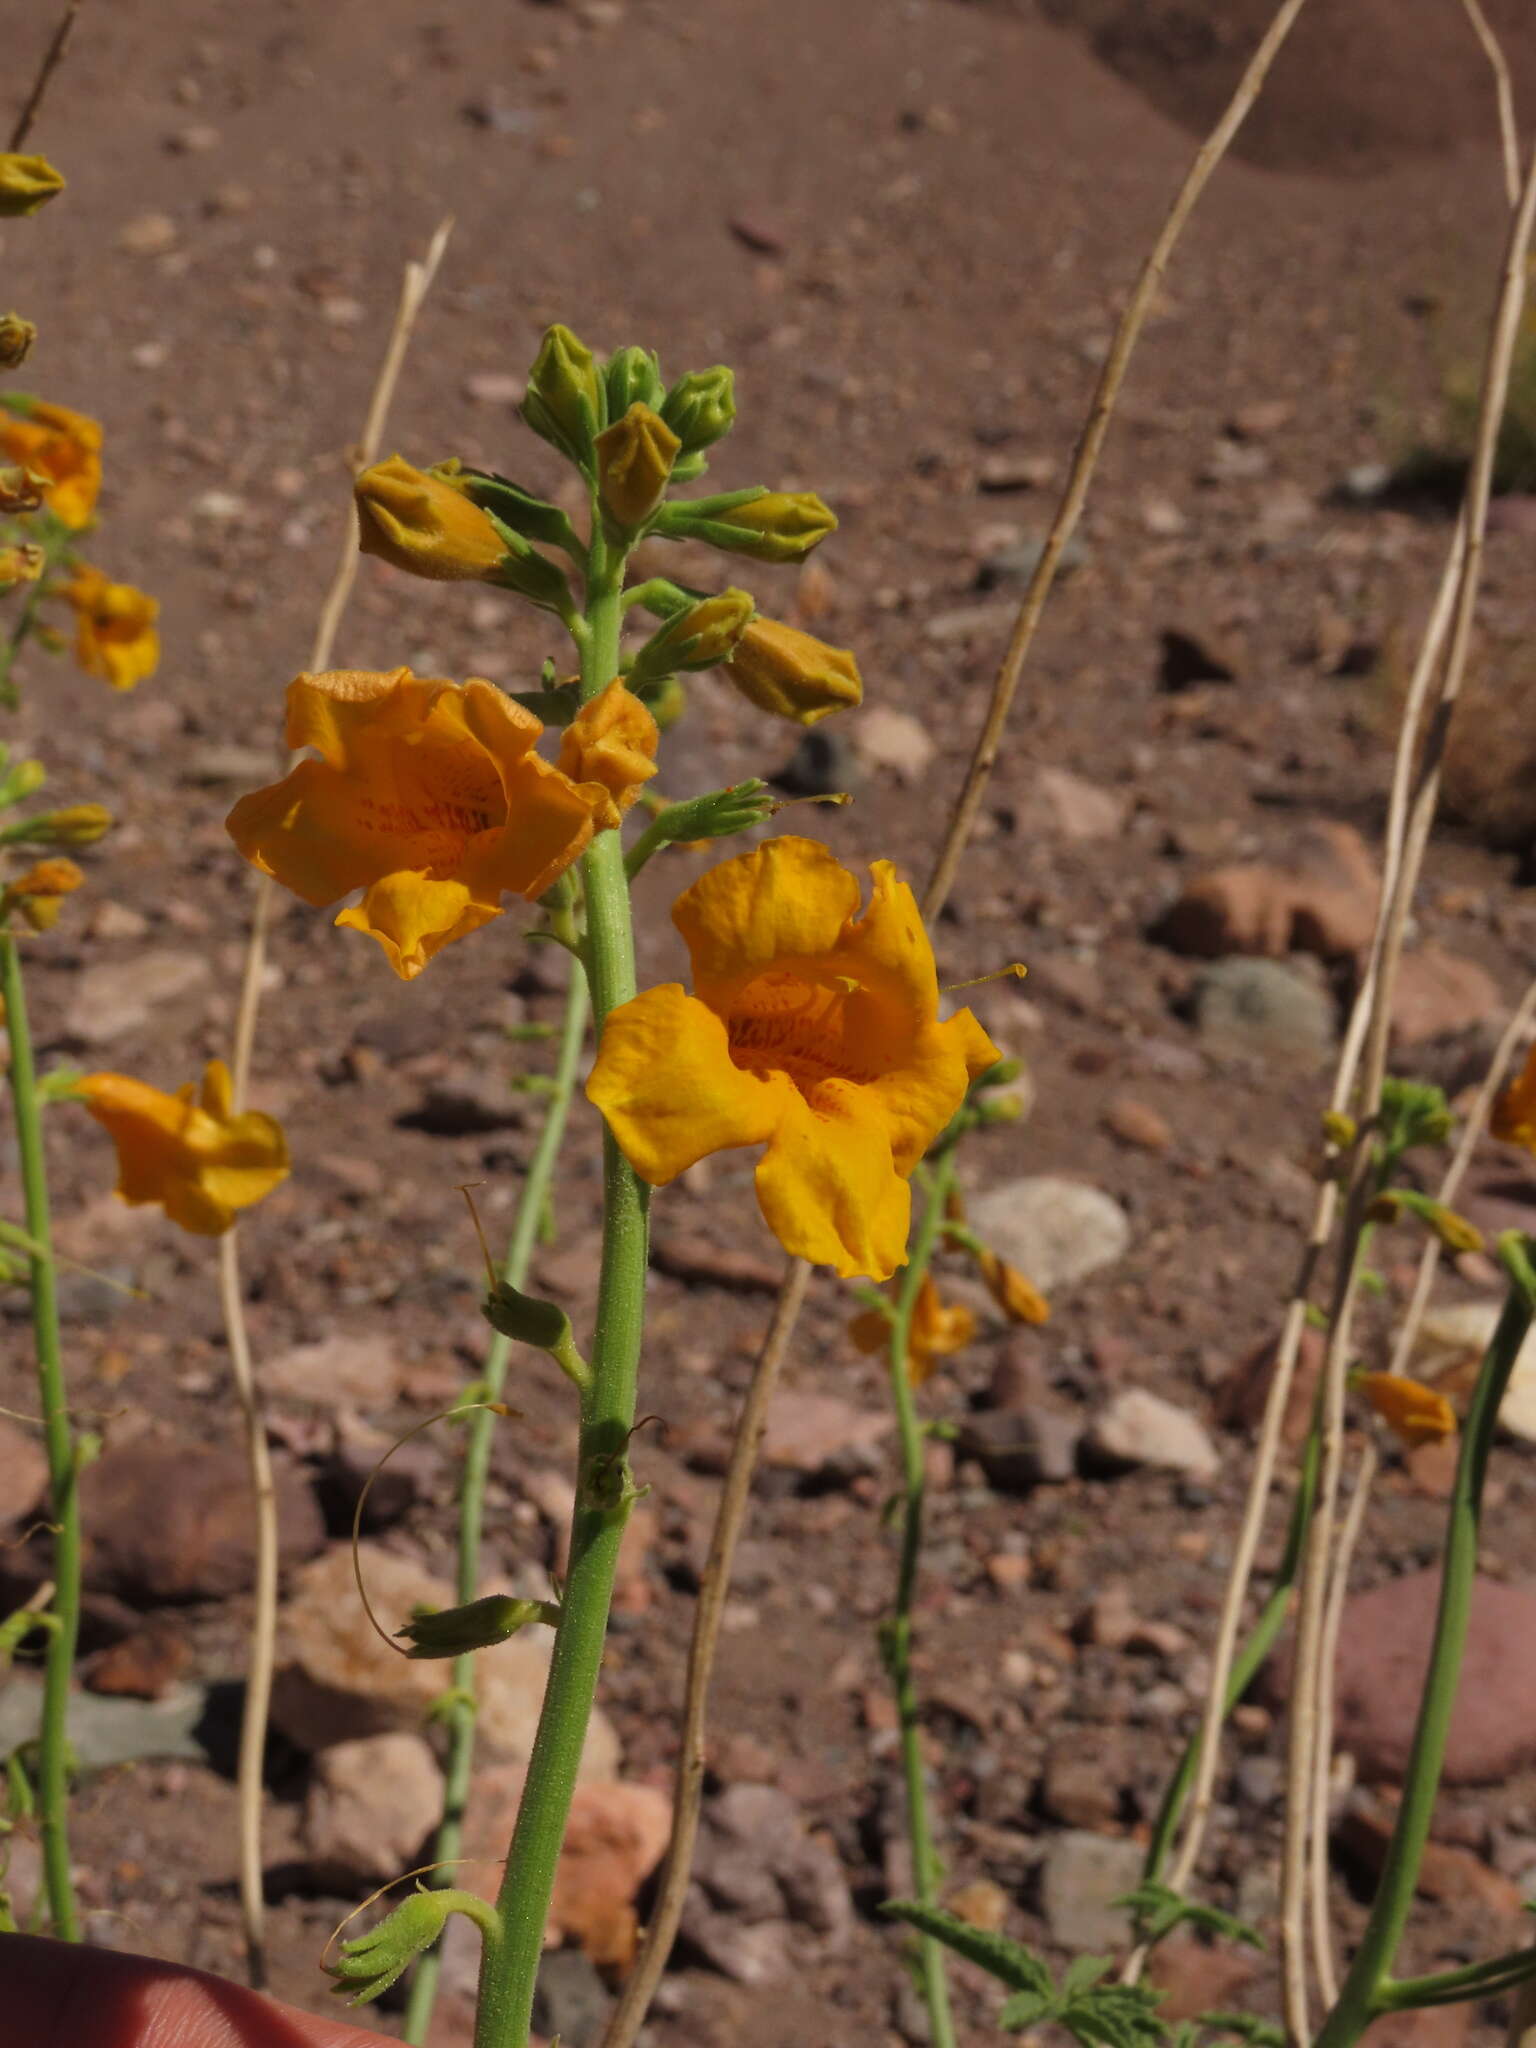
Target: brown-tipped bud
769,526
16,339
634,460
421,522
21,489
793,674
1019,1299
26,183
22,563
702,636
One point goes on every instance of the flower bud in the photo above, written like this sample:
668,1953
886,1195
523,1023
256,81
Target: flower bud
455,1631
1019,1299
16,339
525,1318
793,674
74,825
20,782
700,636
701,407
22,563
609,750
770,526
369,1965
26,183
566,402
36,894
634,461
633,376
21,489
423,522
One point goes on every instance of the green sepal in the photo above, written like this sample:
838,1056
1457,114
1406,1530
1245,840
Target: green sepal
531,574
533,518
526,1318
368,1966
699,409
22,781
455,1631
566,401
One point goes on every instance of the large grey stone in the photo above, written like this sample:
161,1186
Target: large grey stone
1265,1008
1136,1427
1082,1876
1054,1230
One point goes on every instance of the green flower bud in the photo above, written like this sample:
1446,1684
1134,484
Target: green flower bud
24,780
566,402
770,526
455,1631
700,636
633,377
701,407
532,517
525,1318
368,1966
634,461
719,814
75,825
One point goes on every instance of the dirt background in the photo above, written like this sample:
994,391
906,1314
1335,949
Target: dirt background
908,227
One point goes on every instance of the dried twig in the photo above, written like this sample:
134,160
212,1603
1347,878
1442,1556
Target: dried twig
1504,92
1305,1760
1085,461
688,1785
258,1688
53,57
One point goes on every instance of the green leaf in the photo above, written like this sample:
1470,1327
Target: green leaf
1246,2026
1009,1961
1158,1911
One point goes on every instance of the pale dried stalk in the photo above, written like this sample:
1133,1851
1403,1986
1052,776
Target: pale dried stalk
1306,1760
258,1686
1476,1123
1333,1620
714,1585
1504,93
1085,460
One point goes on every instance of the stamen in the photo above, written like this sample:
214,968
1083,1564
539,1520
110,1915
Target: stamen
1015,968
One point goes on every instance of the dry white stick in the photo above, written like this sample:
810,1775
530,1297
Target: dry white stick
1504,93
1310,1676
1085,460
258,1685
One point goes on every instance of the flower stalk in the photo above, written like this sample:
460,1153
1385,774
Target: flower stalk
63,1455
1369,1988
603,1494
477,1466
896,1635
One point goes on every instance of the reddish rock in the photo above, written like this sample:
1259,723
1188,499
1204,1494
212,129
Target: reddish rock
1240,1398
616,1836
1384,1653
1437,993
143,1666
23,1472
172,1519
1195,1978
1432,2026
1320,899
1133,1123
1079,810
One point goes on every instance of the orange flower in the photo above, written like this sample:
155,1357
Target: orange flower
1412,1411
813,1030
36,894
196,1158
427,796
793,674
1514,1114
115,635
1019,1299
610,743
417,520
936,1331
61,447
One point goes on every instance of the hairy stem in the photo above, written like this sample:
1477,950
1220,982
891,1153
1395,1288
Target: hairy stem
603,1493
477,1466
63,1466
897,1635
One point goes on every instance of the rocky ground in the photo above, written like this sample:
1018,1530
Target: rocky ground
909,229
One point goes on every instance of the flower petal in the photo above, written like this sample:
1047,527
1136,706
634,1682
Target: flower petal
666,1083
892,947
413,917
919,1094
309,832
829,1190
611,742
549,821
787,900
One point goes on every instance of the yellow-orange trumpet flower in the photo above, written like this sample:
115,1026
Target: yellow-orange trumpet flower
115,636
812,1030
189,1152
61,447
427,796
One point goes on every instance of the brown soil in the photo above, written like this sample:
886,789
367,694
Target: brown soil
953,204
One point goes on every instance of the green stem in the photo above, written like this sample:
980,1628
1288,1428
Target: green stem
897,1634
603,1494
53,1759
1245,1667
1453,1987
1367,1989
477,1466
